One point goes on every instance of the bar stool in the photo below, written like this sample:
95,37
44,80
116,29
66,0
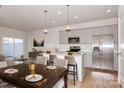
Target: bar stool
51,58
72,63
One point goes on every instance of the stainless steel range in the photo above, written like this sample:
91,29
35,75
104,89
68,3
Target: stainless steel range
74,49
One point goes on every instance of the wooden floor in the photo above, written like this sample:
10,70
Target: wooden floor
95,78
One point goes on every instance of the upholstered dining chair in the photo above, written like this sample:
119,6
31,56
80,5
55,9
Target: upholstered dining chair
60,63
41,60
52,57
3,64
2,83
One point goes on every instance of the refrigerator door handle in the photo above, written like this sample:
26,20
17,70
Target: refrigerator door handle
120,53
101,48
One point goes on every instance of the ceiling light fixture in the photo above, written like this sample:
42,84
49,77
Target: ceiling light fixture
76,17
108,11
45,25
53,21
68,27
59,12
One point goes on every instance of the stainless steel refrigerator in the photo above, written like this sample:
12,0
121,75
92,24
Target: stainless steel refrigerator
103,51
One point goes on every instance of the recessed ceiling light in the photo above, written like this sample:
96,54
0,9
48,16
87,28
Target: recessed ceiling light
76,17
108,11
59,12
53,22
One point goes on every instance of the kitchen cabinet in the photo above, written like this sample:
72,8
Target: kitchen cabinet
84,35
63,37
88,59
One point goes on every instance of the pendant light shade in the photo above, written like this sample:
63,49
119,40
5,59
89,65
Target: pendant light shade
45,31
68,27
45,25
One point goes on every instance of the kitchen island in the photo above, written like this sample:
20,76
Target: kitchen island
79,58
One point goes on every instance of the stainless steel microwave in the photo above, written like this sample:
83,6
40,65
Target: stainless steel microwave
73,40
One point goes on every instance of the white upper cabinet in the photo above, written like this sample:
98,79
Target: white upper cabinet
63,37
85,34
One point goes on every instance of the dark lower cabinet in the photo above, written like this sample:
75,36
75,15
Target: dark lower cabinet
33,55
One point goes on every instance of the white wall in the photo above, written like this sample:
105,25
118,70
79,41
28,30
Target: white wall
121,45
9,32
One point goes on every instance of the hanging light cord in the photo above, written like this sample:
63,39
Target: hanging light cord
45,19
68,14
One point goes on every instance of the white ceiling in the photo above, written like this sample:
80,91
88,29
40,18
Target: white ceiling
31,17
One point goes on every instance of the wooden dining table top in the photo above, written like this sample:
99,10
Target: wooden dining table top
50,77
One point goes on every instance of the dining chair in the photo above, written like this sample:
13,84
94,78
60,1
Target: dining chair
41,60
3,64
72,64
2,57
2,83
52,58
39,54
10,62
63,64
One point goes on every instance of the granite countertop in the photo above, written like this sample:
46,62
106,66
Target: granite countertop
74,53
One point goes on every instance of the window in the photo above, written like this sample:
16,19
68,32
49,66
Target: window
8,47
18,47
12,47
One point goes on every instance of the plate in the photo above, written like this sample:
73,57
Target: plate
11,71
51,67
36,78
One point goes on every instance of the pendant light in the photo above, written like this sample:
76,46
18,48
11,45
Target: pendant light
68,27
45,25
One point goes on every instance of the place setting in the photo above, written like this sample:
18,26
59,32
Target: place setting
51,67
33,77
11,71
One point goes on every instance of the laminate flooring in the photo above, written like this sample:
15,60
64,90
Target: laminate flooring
96,78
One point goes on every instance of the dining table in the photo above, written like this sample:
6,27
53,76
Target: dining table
18,79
